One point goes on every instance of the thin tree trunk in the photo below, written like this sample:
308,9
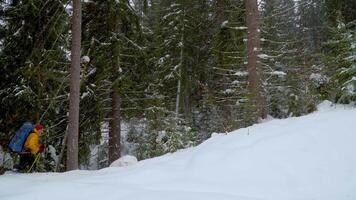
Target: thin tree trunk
115,127
253,47
73,125
179,91
179,86
187,96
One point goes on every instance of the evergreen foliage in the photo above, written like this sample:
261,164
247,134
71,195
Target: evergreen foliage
178,66
34,61
340,50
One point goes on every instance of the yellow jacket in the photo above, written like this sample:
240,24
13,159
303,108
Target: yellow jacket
32,142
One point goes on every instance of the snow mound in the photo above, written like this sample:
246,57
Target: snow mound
325,106
124,161
301,158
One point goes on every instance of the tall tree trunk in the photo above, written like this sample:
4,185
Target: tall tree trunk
117,26
253,47
115,127
180,74
73,125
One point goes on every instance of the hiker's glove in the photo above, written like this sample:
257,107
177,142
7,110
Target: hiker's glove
41,149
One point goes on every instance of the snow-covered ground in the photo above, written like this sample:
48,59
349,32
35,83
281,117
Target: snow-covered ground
305,158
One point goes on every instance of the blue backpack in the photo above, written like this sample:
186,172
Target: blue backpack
18,140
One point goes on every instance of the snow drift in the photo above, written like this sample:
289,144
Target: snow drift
305,158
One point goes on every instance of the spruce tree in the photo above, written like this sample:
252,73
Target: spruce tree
340,50
116,73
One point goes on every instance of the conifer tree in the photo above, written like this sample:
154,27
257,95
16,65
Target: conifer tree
340,50
228,85
117,68
34,64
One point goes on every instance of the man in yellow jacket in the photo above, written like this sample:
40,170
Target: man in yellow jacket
32,147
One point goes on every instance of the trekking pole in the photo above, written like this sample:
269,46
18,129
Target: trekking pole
34,162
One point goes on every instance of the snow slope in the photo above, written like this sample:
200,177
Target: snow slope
305,158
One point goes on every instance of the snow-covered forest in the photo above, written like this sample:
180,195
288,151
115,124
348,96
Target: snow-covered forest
149,77
299,158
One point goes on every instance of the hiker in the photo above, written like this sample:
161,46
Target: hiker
32,147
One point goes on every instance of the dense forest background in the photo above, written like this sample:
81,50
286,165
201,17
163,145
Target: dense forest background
176,69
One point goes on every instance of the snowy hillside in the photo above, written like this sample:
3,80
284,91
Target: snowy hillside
306,158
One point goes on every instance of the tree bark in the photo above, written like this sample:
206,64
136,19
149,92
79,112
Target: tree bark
253,47
220,8
73,125
117,26
115,127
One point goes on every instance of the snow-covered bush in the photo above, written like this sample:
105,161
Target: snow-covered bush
162,133
6,161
